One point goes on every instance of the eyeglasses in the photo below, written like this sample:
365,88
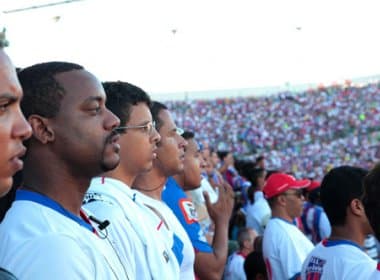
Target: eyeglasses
147,128
297,193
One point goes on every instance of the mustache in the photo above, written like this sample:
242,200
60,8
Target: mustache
115,132
119,130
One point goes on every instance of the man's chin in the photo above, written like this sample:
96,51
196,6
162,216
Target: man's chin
110,165
5,185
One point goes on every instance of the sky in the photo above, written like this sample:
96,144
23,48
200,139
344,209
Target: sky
169,46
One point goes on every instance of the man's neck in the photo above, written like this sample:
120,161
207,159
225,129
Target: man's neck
279,213
180,179
347,232
68,192
150,183
121,175
48,174
244,252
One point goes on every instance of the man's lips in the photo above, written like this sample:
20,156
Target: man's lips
16,161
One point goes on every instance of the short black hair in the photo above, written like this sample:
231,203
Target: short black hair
252,174
254,265
121,96
222,154
187,135
42,92
371,198
338,188
315,195
155,109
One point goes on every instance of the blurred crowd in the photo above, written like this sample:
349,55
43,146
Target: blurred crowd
303,133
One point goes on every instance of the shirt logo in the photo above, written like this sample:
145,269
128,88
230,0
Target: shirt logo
188,210
91,197
314,268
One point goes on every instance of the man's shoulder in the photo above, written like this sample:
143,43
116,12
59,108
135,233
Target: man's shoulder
172,191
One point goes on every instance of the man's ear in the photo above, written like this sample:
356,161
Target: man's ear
281,200
42,131
357,207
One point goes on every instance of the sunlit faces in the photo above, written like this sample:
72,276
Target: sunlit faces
138,145
193,165
170,151
13,126
83,128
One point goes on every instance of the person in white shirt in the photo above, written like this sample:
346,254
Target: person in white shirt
110,197
210,258
371,202
341,256
234,269
13,130
257,210
13,126
169,161
285,247
46,234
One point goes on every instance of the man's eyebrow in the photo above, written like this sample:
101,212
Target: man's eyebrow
94,98
8,96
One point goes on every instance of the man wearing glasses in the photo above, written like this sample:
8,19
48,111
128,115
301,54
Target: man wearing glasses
169,161
111,199
285,247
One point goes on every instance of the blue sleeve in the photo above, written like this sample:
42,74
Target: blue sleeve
185,211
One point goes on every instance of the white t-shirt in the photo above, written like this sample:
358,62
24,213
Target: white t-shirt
285,248
131,231
338,259
376,274
234,269
168,223
258,213
39,239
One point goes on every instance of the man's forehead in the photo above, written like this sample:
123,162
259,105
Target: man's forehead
8,77
4,59
166,120
192,144
77,79
80,83
140,111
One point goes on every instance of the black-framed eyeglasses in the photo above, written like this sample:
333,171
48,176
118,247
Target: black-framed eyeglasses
298,193
147,128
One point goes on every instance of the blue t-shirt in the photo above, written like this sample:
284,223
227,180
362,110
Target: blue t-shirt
183,208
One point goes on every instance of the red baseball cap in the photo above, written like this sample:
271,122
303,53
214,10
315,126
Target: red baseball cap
278,183
313,185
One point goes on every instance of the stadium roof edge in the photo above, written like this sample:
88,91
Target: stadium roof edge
253,92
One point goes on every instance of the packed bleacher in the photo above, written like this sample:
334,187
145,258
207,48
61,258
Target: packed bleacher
109,187
303,133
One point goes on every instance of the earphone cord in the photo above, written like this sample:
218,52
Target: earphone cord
105,236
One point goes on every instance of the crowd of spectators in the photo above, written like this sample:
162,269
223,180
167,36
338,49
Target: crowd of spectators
305,133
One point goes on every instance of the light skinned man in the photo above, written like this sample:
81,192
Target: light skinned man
110,196
13,130
169,162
